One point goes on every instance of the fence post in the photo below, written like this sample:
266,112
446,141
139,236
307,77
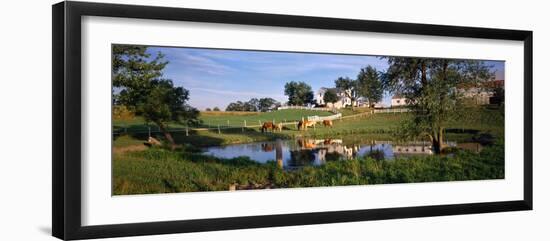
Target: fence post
219,132
186,131
149,130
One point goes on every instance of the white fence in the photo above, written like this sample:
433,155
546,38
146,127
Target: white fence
322,118
291,107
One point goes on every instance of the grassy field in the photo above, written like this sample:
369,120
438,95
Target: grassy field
156,170
215,118
230,118
371,125
161,171
375,126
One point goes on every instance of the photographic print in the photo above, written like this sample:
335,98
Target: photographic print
201,119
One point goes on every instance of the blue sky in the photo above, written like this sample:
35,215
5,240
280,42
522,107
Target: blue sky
217,77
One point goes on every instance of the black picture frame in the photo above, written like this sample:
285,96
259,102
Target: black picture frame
66,169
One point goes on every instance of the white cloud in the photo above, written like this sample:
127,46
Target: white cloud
197,63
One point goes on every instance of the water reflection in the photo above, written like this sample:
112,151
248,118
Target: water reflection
297,153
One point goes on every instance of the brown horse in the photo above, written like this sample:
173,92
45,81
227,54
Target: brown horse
304,124
327,123
267,125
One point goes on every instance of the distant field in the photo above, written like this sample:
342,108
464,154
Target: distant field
229,113
213,119
230,118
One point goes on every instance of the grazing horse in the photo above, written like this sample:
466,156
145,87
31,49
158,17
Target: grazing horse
327,123
267,125
304,124
279,127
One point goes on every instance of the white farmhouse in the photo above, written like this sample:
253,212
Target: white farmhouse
343,100
481,93
398,101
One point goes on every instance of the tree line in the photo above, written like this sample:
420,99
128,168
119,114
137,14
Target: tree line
254,104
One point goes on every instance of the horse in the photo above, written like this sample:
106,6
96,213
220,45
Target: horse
304,124
327,123
279,127
267,125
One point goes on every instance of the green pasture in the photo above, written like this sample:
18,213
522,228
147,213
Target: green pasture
374,126
227,119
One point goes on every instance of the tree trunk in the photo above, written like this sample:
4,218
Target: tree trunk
438,141
168,136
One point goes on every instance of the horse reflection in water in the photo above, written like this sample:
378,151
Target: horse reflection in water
310,152
296,153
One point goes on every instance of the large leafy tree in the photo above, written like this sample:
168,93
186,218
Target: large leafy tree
349,87
369,85
138,77
299,93
330,96
433,91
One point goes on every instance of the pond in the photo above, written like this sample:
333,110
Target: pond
291,154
